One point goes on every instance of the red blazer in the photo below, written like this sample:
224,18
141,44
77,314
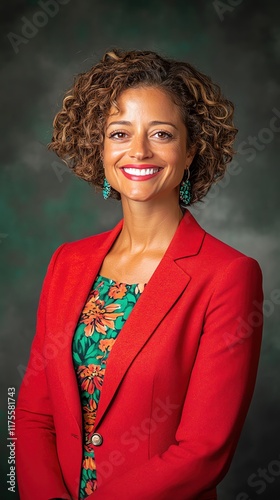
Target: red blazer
178,383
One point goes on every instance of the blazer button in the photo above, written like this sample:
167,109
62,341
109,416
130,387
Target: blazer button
97,439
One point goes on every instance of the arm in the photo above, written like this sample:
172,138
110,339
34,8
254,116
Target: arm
217,399
38,472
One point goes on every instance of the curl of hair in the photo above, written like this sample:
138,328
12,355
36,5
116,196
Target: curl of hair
78,128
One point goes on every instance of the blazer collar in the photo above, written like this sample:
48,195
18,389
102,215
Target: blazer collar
169,277
187,239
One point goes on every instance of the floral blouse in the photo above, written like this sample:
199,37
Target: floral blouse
107,308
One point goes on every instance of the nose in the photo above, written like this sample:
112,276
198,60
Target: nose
140,147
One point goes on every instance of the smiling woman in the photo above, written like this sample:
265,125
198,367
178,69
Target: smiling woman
142,145
147,395
79,127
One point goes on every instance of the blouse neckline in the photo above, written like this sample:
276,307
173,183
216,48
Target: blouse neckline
121,282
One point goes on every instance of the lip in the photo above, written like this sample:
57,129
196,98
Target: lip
137,166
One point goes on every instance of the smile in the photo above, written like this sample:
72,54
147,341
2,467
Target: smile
140,173
144,171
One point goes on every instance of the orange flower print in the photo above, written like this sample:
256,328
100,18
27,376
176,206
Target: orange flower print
106,344
89,463
97,316
89,415
91,486
117,291
90,377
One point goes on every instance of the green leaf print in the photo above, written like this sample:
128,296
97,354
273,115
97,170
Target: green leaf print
77,359
127,311
92,352
119,323
131,298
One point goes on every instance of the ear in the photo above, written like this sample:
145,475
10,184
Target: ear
191,152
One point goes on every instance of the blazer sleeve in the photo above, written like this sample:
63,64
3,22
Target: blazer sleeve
37,467
217,399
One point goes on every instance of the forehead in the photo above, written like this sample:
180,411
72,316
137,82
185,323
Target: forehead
145,100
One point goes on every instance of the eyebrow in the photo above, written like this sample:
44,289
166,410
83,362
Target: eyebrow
154,122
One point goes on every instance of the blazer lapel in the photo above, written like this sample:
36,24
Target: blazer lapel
171,279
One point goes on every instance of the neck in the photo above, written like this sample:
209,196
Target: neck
148,226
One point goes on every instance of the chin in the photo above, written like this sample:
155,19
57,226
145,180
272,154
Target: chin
137,196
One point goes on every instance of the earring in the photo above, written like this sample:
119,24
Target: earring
185,189
106,189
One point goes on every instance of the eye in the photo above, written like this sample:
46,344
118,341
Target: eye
162,134
118,134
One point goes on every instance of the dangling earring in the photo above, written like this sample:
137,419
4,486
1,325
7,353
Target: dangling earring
185,189
106,189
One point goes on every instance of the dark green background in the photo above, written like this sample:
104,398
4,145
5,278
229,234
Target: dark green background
43,205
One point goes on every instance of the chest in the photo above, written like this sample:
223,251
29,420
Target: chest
128,268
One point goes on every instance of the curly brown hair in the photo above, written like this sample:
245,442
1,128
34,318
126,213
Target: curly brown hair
79,127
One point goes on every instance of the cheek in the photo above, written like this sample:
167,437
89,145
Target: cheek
175,156
111,152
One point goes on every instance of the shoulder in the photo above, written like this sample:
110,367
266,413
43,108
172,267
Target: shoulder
226,260
83,245
79,250
220,251
214,256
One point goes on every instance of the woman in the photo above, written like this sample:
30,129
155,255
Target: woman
144,361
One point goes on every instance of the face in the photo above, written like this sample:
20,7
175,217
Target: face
145,147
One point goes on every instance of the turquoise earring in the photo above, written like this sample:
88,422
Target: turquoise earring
185,189
106,189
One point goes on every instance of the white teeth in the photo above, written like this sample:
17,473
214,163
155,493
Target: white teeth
141,171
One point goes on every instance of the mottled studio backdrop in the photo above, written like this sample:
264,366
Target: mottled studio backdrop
42,205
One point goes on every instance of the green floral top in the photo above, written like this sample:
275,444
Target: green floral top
107,308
